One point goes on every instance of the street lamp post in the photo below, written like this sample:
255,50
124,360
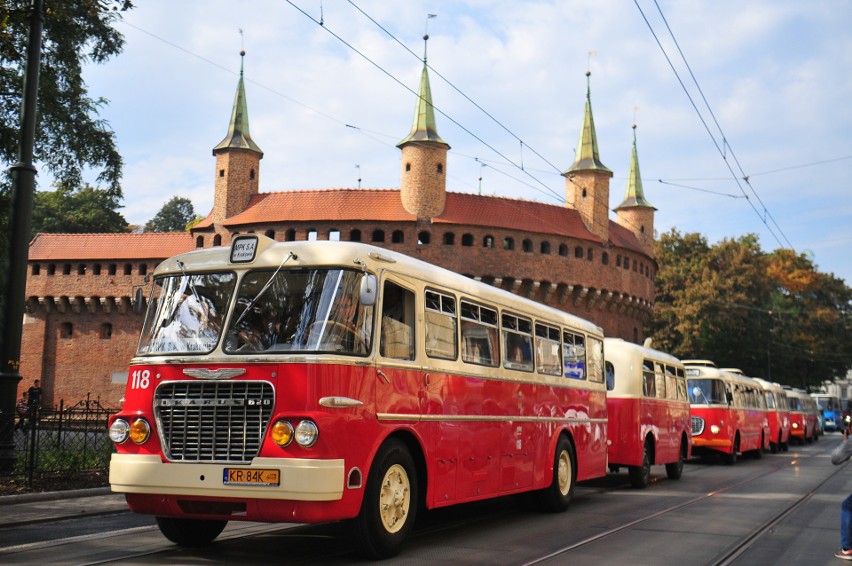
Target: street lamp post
13,274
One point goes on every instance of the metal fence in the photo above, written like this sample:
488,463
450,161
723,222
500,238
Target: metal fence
62,447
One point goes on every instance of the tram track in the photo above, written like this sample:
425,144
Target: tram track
729,555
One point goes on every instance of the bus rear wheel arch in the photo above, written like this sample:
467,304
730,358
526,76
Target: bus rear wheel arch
557,496
640,475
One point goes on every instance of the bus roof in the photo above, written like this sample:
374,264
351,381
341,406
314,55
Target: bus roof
704,363
270,254
650,353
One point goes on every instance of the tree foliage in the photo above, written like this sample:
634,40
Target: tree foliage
771,315
175,216
69,211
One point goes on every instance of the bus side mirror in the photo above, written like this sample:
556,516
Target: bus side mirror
368,290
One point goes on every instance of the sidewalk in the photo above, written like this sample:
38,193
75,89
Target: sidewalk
30,508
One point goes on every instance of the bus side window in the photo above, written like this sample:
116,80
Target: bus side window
610,376
648,379
596,360
681,385
479,334
660,375
574,355
441,326
397,338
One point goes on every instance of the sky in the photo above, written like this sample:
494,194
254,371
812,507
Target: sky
743,110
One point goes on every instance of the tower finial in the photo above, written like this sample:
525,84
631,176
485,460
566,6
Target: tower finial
426,34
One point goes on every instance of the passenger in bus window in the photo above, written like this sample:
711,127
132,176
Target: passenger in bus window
838,456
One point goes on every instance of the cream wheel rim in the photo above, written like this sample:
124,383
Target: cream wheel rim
395,498
564,472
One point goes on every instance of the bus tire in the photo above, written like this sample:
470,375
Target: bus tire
675,470
641,475
390,503
731,459
190,532
557,497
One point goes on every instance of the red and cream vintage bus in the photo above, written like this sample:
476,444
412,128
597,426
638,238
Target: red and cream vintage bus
648,411
778,414
803,416
320,381
728,412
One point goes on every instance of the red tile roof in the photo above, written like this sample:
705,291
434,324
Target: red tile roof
145,245
385,205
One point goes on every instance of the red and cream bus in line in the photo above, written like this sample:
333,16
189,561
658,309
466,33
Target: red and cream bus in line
728,412
318,381
778,415
803,416
648,410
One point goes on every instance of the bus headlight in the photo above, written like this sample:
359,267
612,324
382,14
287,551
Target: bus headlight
118,431
795,425
282,433
714,429
307,433
140,430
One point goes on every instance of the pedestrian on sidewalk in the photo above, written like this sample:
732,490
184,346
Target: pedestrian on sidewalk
34,401
22,409
840,454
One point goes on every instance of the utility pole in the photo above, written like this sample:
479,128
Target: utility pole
13,274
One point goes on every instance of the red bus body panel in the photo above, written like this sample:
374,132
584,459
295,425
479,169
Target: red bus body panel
632,419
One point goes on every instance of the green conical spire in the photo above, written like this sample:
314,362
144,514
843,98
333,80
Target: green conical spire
587,148
424,128
635,195
238,130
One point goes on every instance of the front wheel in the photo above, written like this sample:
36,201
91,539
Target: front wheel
557,497
390,503
190,532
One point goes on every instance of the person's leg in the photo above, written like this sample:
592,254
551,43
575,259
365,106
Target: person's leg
846,523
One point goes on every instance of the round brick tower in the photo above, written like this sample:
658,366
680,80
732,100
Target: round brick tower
423,183
237,161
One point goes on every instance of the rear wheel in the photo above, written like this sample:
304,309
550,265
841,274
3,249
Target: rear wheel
731,459
675,469
190,532
641,475
557,497
390,503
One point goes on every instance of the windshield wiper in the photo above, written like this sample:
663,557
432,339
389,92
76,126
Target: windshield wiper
290,255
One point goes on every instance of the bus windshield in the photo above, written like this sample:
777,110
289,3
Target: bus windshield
707,392
185,313
300,310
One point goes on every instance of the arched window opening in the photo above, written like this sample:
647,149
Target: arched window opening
398,237
270,234
199,242
66,330
578,252
128,268
81,269
590,254
605,258
527,246
488,242
143,269
251,175
408,167
563,250
334,235
355,235
66,269
290,235
545,248
113,269
423,237
440,168
106,331
508,243
449,239
379,236
96,270
467,240
36,269
312,234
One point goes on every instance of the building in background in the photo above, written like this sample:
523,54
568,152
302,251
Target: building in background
80,329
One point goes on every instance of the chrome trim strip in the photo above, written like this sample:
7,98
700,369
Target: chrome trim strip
485,418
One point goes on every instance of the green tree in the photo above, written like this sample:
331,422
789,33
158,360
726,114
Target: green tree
771,315
87,210
70,135
175,216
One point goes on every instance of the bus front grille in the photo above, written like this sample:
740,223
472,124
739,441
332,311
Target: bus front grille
213,421
697,426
